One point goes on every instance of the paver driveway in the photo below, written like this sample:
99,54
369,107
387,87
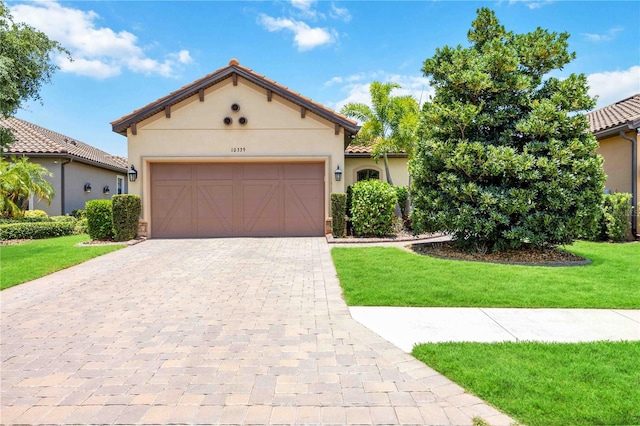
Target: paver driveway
224,331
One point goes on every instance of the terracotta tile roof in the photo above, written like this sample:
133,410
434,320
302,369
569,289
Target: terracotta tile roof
358,149
621,115
37,141
120,125
365,151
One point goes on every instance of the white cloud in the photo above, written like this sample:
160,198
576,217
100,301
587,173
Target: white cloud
613,86
356,87
304,5
305,37
98,52
340,13
608,36
532,4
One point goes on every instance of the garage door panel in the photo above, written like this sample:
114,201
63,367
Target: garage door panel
261,171
233,199
220,171
304,171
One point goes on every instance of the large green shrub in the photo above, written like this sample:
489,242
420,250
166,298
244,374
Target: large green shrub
372,206
35,230
338,214
616,216
506,159
99,219
126,214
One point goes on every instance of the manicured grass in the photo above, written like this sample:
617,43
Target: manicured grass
381,276
547,384
27,261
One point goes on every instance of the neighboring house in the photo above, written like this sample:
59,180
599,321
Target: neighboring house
360,166
237,154
80,171
617,128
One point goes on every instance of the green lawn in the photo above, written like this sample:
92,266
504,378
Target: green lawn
547,384
27,261
382,276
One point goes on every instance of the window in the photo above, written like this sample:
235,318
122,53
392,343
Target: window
368,174
120,185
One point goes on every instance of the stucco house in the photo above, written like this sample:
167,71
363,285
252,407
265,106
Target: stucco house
617,128
81,172
237,154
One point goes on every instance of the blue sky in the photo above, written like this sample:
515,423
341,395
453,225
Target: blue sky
129,53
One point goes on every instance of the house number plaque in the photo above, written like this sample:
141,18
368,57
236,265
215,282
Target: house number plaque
239,149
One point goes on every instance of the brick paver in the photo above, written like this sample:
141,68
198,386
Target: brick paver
215,331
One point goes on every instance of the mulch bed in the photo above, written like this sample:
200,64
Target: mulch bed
527,256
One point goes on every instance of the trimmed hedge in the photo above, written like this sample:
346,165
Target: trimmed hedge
338,214
35,230
616,217
372,208
126,214
99,215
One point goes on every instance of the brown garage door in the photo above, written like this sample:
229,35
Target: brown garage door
235,200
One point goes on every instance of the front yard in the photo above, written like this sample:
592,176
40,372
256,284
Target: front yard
34,259
536,383
380,276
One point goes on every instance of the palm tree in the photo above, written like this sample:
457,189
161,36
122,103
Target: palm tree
389,125
19,179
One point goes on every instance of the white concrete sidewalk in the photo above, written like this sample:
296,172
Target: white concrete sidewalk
405,327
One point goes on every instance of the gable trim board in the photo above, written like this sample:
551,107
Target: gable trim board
248,157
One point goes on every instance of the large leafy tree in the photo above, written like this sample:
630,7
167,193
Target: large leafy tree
19,179
26,63
506,158
389,124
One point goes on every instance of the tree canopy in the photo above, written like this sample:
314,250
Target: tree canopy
389,125
505,157
26,63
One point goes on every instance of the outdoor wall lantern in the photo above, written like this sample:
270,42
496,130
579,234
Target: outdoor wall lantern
87,187
105,190
133,174
338,173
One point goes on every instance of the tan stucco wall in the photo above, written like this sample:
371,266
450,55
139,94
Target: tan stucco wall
397,169
195,132
617,163
76,175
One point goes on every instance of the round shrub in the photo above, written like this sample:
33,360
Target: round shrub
372,206
36,214
99,219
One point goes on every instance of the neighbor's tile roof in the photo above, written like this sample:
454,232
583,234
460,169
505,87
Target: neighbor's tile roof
37,141
120,125
625,113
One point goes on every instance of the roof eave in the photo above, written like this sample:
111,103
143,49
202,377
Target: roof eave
68,157
614,131
121,126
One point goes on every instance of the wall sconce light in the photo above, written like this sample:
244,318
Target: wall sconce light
87,187
338,173
133,174
105,190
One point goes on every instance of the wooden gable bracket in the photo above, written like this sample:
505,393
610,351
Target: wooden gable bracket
303,112
167,111
234,77
134,129
269,95
337,129
201,95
